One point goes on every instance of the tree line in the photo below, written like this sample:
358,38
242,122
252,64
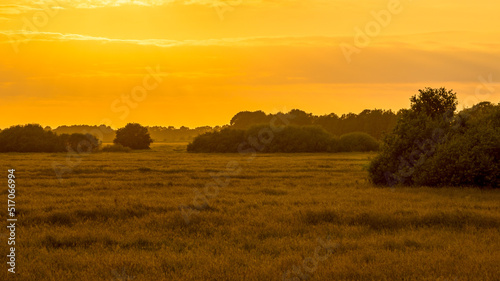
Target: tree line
373,122
157,133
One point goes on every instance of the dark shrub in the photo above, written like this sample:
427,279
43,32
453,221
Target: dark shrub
431,145
470,156
133,135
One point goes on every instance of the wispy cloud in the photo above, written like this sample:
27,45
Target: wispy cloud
20,6
246,41
314,60
23,5
426,41
16,9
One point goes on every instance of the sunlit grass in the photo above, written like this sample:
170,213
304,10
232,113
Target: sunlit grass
116,215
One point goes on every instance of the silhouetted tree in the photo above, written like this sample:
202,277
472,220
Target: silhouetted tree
434,102
245,119
133,135
301,118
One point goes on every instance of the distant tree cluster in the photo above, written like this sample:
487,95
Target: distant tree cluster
104,133
33,138
182,134
158,133
288,139
432,145
304,132
373,122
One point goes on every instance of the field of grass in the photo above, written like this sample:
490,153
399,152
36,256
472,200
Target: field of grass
116,216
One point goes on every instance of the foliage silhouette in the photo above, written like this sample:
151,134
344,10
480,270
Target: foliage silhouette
34,138
373,122
133,135
432,145
288,139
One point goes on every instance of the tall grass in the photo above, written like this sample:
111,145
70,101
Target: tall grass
121,218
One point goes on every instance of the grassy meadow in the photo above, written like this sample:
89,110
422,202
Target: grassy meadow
115,216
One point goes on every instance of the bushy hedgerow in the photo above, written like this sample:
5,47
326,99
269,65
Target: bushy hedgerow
287,139
432,145
33,138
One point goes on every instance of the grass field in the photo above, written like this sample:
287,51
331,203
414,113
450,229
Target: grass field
116,216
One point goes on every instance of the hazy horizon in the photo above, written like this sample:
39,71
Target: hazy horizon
189,63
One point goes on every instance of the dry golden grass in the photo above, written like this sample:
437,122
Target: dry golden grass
115,216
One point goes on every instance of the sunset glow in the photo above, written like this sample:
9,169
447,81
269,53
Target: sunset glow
199,62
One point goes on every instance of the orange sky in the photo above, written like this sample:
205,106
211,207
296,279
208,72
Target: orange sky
198,62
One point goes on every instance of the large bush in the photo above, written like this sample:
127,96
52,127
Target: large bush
133,135
471,154
431,145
